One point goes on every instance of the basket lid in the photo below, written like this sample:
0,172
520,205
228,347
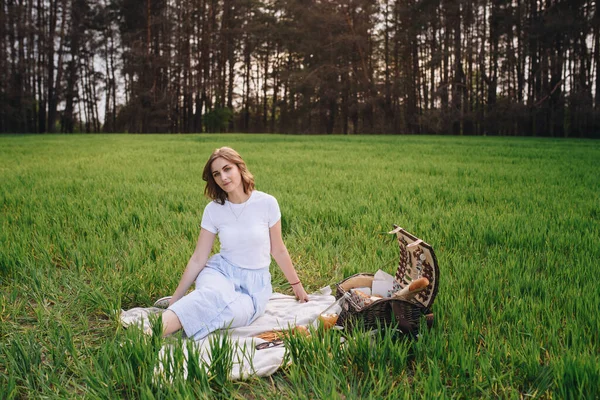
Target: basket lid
417,259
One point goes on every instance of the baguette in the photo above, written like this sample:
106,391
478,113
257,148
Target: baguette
411,290
418,284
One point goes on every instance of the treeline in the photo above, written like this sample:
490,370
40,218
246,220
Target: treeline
472,67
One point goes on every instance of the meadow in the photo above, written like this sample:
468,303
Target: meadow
93,224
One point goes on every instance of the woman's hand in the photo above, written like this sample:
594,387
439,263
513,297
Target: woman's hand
300,293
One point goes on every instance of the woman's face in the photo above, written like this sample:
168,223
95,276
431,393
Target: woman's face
226,174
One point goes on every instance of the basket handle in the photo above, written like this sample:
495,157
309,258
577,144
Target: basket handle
415,243
398,229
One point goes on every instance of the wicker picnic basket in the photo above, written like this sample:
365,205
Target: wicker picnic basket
417,259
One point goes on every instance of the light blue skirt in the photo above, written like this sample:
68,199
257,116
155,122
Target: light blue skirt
226,296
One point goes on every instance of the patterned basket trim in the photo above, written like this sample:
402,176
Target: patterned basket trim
417,259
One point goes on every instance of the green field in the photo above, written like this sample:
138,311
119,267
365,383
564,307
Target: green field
93,224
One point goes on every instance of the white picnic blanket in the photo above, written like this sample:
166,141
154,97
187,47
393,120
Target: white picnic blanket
282,312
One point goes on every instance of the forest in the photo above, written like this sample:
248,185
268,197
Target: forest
459,67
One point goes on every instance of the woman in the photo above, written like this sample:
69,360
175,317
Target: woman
233,286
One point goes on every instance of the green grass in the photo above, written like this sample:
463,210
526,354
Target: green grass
93,224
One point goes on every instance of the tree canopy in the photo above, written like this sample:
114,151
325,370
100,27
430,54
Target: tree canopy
469,67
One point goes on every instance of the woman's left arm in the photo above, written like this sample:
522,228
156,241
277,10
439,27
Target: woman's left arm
282,257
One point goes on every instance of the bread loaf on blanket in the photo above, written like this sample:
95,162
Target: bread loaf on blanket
269,336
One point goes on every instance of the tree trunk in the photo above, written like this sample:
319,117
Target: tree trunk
53,100
72,66
50,88
458,81
520,64
113,80
3,67
446,54
231,72
597,56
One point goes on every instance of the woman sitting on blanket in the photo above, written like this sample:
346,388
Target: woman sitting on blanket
233,286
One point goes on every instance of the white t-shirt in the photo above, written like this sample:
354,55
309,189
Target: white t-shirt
243,229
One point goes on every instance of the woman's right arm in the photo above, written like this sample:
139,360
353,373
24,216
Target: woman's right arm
196,263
